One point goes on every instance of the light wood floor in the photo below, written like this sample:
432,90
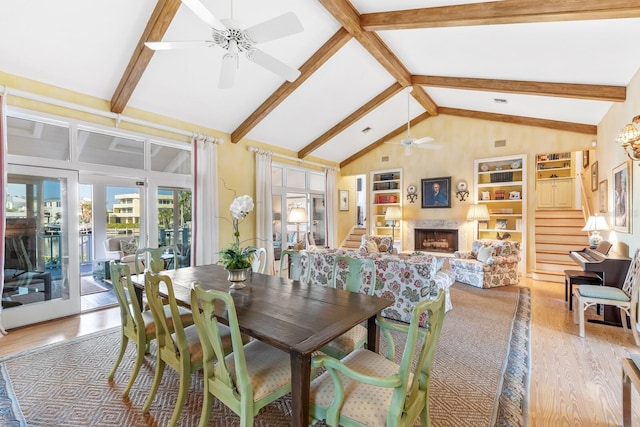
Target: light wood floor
574,381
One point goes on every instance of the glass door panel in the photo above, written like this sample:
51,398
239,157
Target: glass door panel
174,222
41,238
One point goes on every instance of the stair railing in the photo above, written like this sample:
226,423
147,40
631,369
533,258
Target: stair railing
586,205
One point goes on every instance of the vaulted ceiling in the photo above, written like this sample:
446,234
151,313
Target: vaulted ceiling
554,64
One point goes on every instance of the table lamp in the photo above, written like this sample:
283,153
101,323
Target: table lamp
478,212
393,214
594,224
298,216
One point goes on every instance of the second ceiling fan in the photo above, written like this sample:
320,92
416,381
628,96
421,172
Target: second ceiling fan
228,35
410,142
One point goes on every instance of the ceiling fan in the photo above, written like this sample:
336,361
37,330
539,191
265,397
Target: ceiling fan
228,35
409,142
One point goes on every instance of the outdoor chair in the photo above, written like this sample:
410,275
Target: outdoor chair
625,298
365,388
137,326
181,349
359,272
248,379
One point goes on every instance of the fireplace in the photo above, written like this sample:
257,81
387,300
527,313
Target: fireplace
436,240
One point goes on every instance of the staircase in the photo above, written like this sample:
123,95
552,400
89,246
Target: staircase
353,239
557,232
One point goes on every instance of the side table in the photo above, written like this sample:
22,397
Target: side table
630,375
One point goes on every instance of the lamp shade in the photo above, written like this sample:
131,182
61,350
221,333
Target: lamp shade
478,212
298,215
596,223
393,213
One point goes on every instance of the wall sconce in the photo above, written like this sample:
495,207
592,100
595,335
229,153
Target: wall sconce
462,192
630,139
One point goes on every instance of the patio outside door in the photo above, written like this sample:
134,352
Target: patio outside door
41,239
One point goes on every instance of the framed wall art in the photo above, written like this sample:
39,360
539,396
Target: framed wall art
594,176
603,196
436,192
343,200
622,197
585,159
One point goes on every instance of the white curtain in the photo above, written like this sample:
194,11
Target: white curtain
205,201
264,208
330,200
3,170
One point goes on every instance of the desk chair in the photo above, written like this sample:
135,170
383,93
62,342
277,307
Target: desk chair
381,392
360,273
624,298
248,379
136,325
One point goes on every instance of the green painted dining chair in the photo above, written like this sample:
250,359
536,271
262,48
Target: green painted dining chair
157,259
248,379
137,326
360,273
369,389
294,263
260,261
181,349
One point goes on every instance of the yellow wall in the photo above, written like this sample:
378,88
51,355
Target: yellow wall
463,141
611,155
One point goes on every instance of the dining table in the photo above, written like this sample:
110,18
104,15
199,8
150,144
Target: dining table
294,316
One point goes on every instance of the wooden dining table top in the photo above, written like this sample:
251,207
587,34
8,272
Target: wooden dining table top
287,314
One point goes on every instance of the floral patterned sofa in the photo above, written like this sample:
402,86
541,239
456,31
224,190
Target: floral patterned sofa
406,279
489,264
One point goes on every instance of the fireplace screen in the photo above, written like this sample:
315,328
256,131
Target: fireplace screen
436,240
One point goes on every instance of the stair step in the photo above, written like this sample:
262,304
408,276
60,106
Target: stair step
560,222
560,247
548,276
555,213
558,267
559,257
566,239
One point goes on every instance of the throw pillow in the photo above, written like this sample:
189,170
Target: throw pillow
371,246
484,253
128,247
383,245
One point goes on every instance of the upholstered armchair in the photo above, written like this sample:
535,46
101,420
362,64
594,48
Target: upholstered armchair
373,244
123,249
490,263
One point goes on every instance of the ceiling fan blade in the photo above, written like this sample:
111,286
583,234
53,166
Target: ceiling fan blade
203,13
272,64
228,68
280,26
423,140
178,45
430,146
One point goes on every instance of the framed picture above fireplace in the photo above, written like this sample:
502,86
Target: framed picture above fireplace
436,192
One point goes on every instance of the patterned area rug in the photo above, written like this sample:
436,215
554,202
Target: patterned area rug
480,375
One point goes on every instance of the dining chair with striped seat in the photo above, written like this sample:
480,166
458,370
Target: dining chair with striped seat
136,325
180,349
359,273
249,378
369,389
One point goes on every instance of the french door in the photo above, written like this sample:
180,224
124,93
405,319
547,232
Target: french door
41,245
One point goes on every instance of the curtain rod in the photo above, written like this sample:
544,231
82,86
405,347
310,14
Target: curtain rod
115,116
295,159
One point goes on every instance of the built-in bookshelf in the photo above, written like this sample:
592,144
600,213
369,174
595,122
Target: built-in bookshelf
386,191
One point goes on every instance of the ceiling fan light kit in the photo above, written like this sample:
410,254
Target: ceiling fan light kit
228,35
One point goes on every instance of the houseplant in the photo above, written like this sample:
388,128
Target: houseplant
235,259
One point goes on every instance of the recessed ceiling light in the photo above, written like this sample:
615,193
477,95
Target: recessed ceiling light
500,100
367,129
